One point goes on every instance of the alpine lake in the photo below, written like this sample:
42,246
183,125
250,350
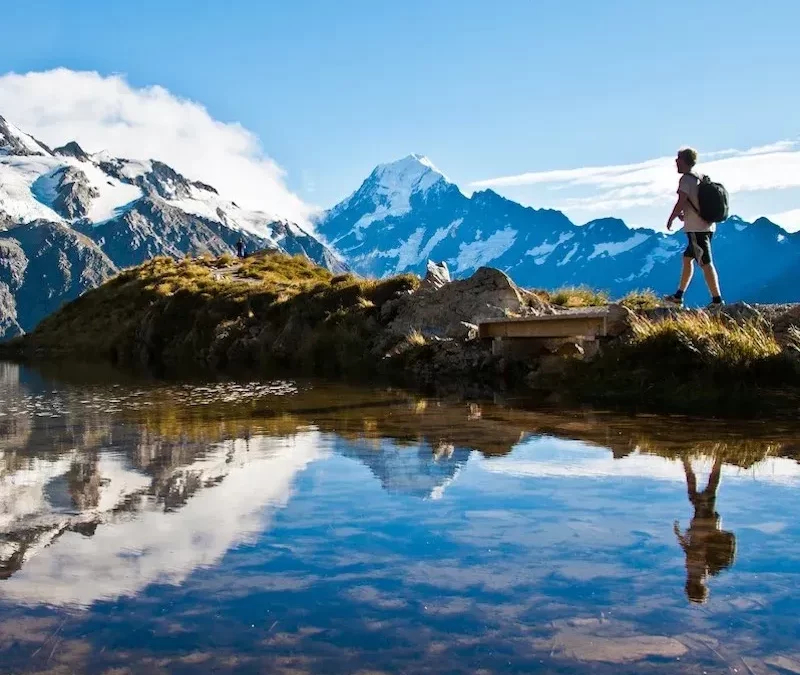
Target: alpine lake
296,527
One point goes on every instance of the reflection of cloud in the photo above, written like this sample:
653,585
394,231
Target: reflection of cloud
556,458
154,546
608,642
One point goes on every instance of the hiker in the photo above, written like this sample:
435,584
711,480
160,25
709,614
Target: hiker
698,231
708,549
240,248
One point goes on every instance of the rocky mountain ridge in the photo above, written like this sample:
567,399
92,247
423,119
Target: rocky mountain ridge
407,212
70,219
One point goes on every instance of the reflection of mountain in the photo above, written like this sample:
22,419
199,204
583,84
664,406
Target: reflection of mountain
421,471
79,528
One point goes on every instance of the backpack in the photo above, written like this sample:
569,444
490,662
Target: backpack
713,200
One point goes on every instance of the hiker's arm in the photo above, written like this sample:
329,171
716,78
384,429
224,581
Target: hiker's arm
678,209
682,540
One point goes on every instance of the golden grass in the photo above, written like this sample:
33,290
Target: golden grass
694,363
573,297
641,300
195,310
716,340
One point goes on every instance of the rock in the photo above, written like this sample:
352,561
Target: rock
552,364
619,320
470,331
782,326
74,194
436,276
487,294
570,348
741,311
72,149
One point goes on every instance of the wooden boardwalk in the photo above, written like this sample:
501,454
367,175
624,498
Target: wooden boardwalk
589,325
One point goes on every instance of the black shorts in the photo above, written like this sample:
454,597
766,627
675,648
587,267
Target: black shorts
699,247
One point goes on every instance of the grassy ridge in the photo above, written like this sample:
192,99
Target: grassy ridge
268,310
694,362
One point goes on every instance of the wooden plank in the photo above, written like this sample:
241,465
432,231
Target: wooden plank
544,327
592,314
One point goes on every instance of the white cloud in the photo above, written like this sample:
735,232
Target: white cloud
107,113
789,219
607,190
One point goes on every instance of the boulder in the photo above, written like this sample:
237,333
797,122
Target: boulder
444,311
618,321
741,311
437,275
782,325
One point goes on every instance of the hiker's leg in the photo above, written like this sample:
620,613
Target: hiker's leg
712,280
686,274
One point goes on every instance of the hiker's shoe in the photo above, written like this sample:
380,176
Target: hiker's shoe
673,299
715,306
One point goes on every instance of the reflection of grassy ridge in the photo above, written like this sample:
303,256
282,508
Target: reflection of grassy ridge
741,453
490,429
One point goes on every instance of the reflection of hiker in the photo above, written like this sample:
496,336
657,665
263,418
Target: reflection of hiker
708,549
698,231
240,248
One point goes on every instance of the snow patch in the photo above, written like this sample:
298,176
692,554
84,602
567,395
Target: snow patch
479,253
17,175
781,238
437,237
569,255
543,250
27,141
409,254
612,249
664,251
212,207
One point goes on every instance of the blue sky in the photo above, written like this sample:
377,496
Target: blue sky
487,91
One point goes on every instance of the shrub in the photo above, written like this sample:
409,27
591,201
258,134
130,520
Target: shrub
578,296
641,300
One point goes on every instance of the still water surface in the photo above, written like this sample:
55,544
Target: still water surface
285,527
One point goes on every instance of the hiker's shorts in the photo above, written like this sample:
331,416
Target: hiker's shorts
699,247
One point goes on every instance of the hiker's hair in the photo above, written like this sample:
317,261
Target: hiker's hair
689,156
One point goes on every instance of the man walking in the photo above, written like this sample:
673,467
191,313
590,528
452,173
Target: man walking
698,231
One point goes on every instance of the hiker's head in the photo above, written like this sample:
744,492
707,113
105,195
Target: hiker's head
686,159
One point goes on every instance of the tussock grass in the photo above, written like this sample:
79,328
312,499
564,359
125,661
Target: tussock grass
691,362
269,309
573,297
415,339
641,300
700,338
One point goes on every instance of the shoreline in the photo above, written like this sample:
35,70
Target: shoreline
281,316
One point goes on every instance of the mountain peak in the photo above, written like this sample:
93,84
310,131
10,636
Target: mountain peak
414,172
13,141
72,149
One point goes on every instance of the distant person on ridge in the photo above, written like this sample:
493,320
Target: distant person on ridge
699,231
240,248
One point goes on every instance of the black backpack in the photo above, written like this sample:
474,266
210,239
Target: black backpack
713,198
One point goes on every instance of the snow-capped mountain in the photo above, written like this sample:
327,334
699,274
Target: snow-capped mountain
407,212
70,219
